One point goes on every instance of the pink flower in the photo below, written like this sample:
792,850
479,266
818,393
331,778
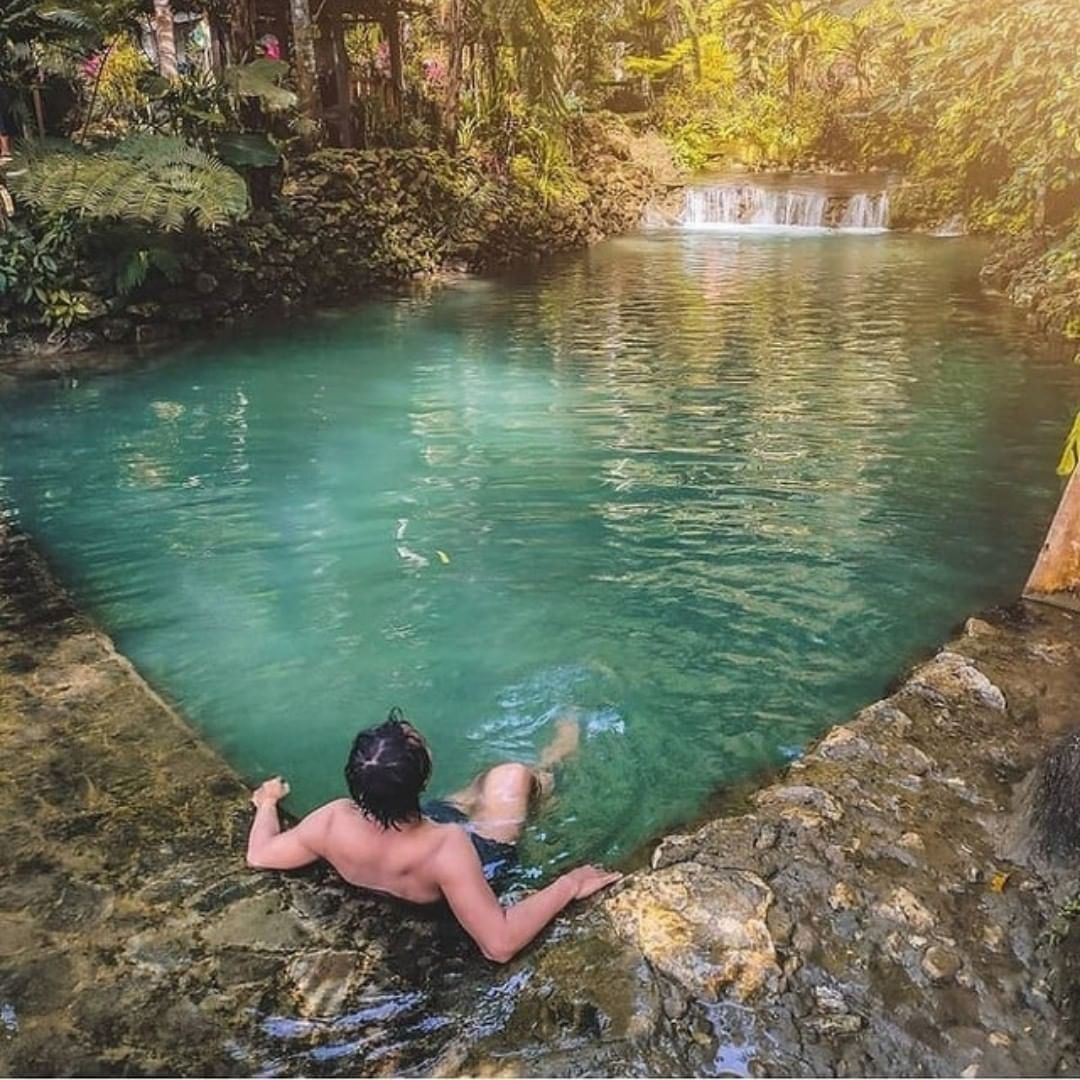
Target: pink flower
271,47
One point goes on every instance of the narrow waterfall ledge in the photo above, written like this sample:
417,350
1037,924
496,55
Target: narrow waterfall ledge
862,916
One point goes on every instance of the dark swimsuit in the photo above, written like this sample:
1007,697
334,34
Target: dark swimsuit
498,859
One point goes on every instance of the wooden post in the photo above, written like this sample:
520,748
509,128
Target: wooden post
165,35
454,19
342,83
1056,576
39,110
391,25
241,20
307,72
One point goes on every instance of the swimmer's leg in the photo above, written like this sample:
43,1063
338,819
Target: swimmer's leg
564,744
498,800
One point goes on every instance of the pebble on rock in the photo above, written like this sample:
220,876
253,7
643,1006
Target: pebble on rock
940,964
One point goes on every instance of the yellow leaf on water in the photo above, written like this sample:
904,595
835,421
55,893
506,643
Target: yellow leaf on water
443,557
999,881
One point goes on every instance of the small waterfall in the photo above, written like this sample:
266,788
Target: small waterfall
747,204
865,211
750,204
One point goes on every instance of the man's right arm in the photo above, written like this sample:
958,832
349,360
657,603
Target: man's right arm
501,932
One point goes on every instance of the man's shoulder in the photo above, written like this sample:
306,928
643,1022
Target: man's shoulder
334,808
450,844
323,816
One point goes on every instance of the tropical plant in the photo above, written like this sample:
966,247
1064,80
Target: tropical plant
40,278
153,179
995,96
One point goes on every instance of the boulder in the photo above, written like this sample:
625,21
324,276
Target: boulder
952,679
702,927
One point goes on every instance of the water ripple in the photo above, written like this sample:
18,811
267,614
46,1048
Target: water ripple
707,490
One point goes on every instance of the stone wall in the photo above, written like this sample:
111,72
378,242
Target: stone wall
349,221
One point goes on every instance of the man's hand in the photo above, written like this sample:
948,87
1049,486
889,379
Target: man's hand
591,879
270,791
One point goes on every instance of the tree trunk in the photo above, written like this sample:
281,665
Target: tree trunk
455,48
166,40
241,31
391,26
307,72
342,84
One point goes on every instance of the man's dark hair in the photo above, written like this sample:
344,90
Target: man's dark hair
388,767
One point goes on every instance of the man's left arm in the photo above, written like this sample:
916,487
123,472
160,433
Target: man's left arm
271,849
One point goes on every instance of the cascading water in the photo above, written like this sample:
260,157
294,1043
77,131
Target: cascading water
752,204
746,204
866,211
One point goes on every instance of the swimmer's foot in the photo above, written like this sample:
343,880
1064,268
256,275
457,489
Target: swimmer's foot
564,744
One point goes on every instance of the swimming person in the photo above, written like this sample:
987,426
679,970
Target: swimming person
384,839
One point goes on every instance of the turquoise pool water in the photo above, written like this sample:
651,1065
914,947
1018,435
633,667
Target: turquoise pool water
711,489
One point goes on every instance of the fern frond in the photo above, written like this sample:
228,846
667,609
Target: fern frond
151,179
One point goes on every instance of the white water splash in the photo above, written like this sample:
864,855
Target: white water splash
866,211
747,204
729,205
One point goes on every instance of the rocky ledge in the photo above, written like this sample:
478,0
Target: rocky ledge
879,909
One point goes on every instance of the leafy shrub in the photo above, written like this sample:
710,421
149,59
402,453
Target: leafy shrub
39,269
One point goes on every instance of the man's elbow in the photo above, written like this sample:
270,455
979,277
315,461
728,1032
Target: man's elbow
498,952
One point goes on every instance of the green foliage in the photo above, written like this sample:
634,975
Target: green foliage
1041,273
156,180
35,260
39,36
62,309
994,103
40,274
242,149
201,108
766,82
261,80
124,66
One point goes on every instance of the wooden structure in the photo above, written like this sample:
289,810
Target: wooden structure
336,84
1056,576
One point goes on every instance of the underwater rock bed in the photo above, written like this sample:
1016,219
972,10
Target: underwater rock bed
866,913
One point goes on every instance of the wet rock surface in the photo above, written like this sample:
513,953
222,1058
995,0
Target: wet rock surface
871,912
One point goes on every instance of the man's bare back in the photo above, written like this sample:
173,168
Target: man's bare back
416,859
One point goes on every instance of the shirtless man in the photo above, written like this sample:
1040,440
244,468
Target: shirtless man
383,839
